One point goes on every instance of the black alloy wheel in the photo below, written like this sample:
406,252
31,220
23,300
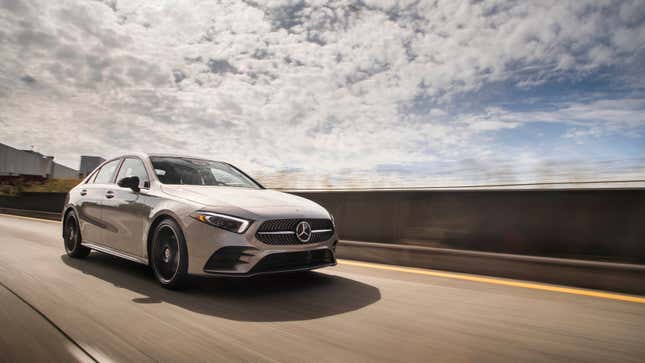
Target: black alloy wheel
72,238
168,255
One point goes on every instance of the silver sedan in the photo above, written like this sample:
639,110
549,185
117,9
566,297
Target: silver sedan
190,216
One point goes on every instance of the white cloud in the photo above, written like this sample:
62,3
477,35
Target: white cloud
597,118
317,85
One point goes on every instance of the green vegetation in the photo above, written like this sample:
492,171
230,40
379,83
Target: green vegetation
7,190
47,186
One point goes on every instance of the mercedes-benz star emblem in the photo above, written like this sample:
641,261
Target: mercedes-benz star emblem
303,232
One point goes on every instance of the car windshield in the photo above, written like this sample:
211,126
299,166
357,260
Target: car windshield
189,171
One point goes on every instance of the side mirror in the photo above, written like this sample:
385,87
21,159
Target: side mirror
131,182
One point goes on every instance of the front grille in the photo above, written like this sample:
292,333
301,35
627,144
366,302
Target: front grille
282,231
290,224
294,260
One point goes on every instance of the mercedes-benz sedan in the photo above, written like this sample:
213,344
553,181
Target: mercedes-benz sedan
190,216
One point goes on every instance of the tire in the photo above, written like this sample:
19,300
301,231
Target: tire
169,255
72,238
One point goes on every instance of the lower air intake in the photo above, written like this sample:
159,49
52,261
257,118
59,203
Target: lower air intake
294,260
226,258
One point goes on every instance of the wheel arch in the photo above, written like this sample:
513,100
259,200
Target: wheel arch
66,211
163,215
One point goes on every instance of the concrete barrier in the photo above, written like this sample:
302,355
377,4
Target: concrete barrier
581,224
48,202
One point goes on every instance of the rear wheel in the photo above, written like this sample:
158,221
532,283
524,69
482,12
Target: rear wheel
72,238
168,255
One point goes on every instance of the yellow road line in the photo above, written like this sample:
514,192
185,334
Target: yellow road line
496,281
30,218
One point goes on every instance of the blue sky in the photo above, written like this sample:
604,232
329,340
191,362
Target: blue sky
374,93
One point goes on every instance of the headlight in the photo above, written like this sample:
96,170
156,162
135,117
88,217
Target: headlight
229,223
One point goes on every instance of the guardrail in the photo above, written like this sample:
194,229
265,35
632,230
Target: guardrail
621,277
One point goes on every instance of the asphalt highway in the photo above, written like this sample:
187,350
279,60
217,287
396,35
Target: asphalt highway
105,309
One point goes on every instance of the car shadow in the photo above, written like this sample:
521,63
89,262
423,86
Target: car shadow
278,297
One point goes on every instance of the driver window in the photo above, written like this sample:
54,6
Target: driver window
134,167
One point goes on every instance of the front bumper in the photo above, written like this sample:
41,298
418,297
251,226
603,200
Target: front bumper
217,252
277,262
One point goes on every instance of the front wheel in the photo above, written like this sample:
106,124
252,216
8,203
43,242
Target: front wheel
72,238
168,255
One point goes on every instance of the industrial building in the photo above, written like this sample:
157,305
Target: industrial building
31,165
88,164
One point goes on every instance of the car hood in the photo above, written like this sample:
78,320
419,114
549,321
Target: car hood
256,201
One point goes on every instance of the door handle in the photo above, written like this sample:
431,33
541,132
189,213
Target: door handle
84,192
109,194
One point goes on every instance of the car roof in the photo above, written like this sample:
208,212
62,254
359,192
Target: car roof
145,155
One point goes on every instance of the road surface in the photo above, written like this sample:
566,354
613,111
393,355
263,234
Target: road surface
105,309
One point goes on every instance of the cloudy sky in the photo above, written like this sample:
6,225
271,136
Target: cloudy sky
334,93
